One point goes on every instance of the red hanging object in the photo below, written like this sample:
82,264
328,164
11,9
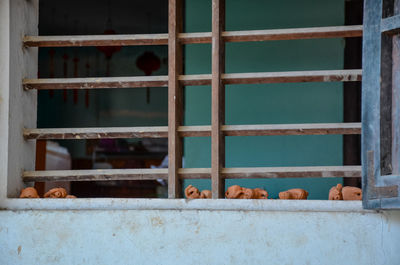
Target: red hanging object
109,50
65,57
148,62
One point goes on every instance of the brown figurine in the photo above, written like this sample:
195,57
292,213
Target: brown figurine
346,193
70,197
352,193
205,194
237,192
260,193
192,192
234,192
56,193
293,194
29,192
335,193
247,194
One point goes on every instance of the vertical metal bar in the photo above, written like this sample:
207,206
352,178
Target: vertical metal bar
396,98
218,99
371,90
175,106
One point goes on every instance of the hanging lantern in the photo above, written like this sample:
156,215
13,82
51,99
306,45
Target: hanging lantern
148,62
109,50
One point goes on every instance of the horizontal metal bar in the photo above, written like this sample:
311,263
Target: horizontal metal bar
391,24
293,172
293,33
192,38
95,82
293,77
96,40
192,131
292,129
193,80
97,133
96,174
192,173
111,174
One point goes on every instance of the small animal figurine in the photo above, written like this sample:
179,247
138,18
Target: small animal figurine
335,193
352,193
293,194
70,197
29,192
205,194
56,193
234,192
260,193
346,193
192,192
248,194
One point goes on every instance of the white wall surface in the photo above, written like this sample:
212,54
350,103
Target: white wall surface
198,237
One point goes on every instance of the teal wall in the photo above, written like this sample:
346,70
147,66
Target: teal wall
269,103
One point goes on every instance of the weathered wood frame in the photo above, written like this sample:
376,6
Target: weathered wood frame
175,131
380,106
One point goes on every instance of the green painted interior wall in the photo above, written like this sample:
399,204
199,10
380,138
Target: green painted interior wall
269,103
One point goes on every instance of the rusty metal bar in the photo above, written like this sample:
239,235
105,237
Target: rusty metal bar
217,100
193,38
192,173
192,131
175,97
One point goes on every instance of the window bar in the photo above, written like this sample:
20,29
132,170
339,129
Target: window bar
200,37
175,97
218,100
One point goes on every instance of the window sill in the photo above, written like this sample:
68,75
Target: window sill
183,204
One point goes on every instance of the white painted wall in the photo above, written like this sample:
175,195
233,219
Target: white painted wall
199,237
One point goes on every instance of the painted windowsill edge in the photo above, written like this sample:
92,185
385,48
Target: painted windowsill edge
183,204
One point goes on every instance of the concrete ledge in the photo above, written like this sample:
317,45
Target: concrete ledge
183,204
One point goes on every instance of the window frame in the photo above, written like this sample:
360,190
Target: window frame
16,98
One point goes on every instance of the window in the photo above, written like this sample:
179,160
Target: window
23,102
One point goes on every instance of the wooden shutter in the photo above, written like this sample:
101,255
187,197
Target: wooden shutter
381,105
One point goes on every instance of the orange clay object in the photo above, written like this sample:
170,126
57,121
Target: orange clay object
29,192
192,192
205,194
56,193
352,193
293,194
234,192
70,197
248,194
335,193
260,193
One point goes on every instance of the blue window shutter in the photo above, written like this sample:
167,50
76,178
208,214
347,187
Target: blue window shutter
381,105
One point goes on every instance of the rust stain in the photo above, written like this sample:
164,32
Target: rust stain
157,221
19,249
